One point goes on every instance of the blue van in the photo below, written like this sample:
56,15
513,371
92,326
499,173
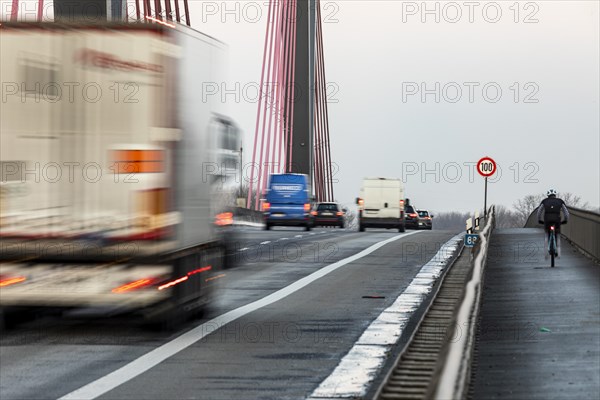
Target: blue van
288,201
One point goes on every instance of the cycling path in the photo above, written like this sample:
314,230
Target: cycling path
539,328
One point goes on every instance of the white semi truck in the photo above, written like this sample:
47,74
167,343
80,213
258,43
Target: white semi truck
104,140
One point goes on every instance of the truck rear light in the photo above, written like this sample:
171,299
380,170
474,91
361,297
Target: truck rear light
128,287
401,203
313,213
173,283
199,270
361,202
137,161
158,21
11,280
266,206
306,207
141,283
224,219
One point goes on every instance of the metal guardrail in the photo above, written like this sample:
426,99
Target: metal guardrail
246,214
455,367
583,230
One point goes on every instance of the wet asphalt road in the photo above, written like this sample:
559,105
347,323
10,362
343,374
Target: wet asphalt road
539,329
282,350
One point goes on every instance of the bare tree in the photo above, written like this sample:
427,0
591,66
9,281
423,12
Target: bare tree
452,221
573,200
242,191
525,206
507,218
350,217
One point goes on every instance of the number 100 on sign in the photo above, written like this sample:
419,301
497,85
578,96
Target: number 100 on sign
486,167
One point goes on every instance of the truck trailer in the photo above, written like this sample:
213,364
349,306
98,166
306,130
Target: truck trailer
104,138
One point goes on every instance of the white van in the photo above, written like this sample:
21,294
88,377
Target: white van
381,204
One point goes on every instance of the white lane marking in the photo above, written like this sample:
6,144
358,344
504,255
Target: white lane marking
144,363
298,236
312,233
351,377
244,249
266,242
283,238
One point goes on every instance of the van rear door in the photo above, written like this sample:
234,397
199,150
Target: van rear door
287,196
390,195
372,198
382,198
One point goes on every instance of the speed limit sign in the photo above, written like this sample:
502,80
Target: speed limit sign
486,167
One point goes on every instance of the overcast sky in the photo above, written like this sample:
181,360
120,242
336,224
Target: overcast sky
543,129
544,134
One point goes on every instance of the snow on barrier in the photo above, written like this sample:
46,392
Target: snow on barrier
453,377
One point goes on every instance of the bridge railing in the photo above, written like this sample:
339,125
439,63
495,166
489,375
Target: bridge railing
451,380
583,230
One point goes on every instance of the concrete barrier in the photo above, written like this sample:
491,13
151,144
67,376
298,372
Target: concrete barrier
583,230
454,369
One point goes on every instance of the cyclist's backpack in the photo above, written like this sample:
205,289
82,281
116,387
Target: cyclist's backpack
552,207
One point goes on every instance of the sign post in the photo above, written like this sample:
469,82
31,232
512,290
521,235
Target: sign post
486,168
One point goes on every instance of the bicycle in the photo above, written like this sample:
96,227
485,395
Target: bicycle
552,247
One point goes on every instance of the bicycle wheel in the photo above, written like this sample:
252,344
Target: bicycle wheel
552,248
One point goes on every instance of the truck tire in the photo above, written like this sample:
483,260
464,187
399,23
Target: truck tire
13,316
307,228
361,228
188,300
401,228
267,227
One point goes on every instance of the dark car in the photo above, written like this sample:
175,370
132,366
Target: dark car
411,217
426,222
328,214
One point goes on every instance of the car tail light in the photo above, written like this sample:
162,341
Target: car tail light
313,213
339,213
307,207
266,206
412,215
552,227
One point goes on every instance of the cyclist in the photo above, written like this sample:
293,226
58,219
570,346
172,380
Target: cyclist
548,213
